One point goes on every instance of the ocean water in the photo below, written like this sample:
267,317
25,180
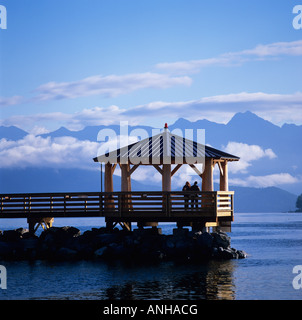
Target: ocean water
273,242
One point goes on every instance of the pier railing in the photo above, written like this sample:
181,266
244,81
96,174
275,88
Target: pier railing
130,205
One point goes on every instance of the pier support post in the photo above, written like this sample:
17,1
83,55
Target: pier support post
35,223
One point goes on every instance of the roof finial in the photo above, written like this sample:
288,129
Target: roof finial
166,126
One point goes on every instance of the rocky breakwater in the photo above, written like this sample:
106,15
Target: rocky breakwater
67,243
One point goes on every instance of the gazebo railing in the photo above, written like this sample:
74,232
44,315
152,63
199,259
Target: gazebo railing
118,204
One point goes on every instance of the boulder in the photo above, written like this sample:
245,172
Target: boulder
101,252
67,243
106,239
6,249
205,241
229,253
70,232
13,235
89,235
241,254
58,237
221,239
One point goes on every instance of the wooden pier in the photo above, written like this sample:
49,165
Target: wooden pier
167,153
213,208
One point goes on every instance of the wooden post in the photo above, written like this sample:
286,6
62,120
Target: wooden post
125,176
108,178
166,177
166,184
109,202
225,226
207,176
125,187
224,183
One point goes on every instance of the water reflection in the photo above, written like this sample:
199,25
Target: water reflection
213,280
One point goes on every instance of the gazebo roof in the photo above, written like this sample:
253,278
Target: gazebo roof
164,148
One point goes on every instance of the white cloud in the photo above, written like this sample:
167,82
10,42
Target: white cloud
277,108
247,154
149,173
37,130
69,152
108,86
260,52
73,121
270,180
10,101
99,116
292,48
63,152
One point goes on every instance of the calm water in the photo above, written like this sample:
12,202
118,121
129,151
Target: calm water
273,242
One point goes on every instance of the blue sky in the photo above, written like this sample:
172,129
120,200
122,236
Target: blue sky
78,63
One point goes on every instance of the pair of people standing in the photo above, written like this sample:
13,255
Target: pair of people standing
193,197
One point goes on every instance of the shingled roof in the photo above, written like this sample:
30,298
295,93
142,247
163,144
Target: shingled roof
164,148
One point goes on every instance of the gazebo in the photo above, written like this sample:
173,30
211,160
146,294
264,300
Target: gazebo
163,151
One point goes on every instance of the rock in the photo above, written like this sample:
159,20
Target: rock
28,235
13,235
89,235
129,241
106,239
67,243
224,254
53,239
194,234
241,254
230,253
59,237
205,241
170,244
27,248
180,232
221,239
142,232
6,249
100,253
29,243
70,231
84,250
118,251
182,245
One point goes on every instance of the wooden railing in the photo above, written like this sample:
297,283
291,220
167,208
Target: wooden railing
118,204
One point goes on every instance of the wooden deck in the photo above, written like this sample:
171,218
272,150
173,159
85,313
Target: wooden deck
212,207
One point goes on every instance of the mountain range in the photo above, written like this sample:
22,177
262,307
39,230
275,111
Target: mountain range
246,128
